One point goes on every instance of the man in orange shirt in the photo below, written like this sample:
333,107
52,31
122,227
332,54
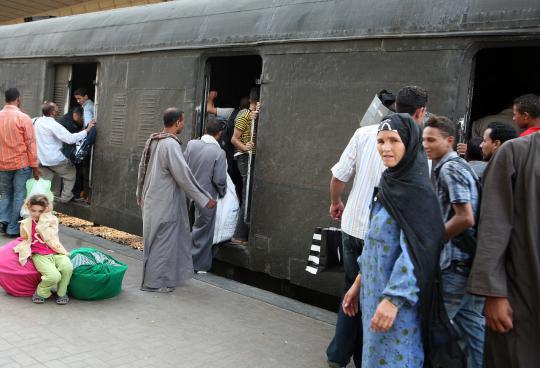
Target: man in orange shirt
18,161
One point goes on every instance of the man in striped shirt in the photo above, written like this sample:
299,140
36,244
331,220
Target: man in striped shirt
18,161
360,161
244,142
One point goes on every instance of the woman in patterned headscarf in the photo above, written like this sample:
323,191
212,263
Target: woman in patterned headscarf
404,323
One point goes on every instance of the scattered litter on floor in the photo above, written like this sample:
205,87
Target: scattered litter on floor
104,232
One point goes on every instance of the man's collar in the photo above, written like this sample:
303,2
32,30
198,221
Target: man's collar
446,157
11,107
207,138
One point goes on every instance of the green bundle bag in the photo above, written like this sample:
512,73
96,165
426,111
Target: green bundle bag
96,275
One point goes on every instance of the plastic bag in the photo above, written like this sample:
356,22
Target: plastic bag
227,212
34,187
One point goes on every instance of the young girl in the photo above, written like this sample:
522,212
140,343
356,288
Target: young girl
40,241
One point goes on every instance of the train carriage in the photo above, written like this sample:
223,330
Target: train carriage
319,64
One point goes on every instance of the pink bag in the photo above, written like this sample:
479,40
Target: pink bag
15,279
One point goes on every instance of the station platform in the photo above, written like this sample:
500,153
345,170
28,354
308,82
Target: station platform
209,322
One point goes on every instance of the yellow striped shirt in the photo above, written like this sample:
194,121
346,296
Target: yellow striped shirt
243,123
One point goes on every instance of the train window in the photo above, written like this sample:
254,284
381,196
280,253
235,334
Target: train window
68,78
501,75
232,78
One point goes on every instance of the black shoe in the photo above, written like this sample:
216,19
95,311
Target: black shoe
12,235
3,227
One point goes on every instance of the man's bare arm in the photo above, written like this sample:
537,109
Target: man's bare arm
336,205
462,220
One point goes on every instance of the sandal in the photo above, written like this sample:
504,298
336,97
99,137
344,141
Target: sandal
62,300
157,290
37,299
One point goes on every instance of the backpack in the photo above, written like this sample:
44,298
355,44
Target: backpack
78,155
227,133
466,241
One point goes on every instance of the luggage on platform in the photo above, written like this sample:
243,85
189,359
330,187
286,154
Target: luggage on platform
96,275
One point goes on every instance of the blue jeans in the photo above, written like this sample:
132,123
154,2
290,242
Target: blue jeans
347,342
13,184
465,312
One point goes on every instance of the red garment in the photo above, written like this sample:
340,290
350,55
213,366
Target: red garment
38,245
530,131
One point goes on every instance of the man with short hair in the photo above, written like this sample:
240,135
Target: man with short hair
474,156
50,136
81,95
458,191
18,161
243,140
361,161
506,268
527,113
164,180
494,136
412,100
208,164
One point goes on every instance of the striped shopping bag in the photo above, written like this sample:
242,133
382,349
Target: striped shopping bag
326,251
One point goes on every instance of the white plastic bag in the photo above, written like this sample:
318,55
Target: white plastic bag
33,187
227,212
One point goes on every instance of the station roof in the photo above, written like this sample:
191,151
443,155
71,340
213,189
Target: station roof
189,24
14,9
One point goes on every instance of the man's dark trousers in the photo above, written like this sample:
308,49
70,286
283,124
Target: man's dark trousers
347,342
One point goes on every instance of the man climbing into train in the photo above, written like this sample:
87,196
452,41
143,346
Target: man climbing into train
243,140
84,147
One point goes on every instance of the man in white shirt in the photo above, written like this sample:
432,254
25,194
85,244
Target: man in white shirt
50,135
361,161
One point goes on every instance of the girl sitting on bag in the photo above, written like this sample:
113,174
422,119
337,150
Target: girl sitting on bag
40,240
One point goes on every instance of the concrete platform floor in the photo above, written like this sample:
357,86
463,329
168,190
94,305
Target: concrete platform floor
210,322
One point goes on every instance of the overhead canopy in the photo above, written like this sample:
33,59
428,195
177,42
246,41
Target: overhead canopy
209,23
24,8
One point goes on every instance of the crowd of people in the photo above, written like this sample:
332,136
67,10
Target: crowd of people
40,147
441,252
448,252
166,175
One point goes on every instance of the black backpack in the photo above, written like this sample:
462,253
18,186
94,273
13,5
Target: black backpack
466,241
227,133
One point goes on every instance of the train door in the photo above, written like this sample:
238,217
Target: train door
501,75
69,78
232,78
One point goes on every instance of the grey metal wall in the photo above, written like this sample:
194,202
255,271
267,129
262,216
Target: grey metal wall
28,77
313,99
313,96
134,91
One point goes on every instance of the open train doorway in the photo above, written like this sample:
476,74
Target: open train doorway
228,82
501,75
68,79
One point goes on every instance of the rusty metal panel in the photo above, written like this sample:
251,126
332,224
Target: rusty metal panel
148,115
118,120
61,86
